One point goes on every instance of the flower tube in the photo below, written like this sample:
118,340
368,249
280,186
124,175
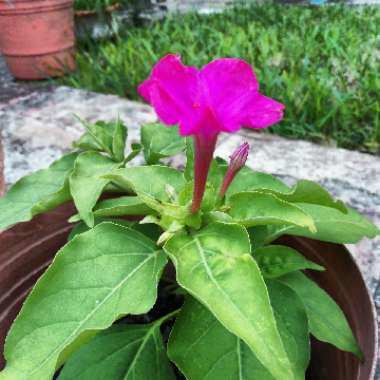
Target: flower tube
223,96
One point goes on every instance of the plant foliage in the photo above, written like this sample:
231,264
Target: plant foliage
242,307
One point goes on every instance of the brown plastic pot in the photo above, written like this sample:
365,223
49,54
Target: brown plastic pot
27,249
37,37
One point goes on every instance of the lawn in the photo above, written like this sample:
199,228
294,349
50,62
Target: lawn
323,63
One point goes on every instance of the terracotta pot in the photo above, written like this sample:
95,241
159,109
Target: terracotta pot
27,249
2,181
37,37
344,282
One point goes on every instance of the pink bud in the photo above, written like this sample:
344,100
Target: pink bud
237,161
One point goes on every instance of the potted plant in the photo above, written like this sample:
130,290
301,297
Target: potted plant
174,273
37,38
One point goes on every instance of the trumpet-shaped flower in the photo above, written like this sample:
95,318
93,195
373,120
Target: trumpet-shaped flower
223,96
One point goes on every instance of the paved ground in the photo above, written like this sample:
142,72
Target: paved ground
38,124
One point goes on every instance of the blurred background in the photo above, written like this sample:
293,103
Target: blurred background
324,61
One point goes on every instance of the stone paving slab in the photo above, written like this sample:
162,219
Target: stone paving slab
38,125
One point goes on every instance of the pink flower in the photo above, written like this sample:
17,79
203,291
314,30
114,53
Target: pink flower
237,162
221,97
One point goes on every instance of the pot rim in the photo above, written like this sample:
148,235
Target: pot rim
371,311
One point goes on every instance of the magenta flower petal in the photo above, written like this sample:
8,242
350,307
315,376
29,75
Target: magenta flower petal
263,112
172,89
230,85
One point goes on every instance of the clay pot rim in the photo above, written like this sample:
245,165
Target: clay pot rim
370,313
85,13
22,7
371,300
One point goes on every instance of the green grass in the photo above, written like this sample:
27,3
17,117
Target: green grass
101,5
322,62
93,5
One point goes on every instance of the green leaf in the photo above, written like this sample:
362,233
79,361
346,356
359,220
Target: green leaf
127,205
87,142
151,181
159,141
119,139
214,265
202,348
109,137
189,168
99,276
277,260
37,193
256,208
310,192
121,206
136,149
86,183
326,320
82,227
159,187
292,322
335,226
248,180
128,352
196,330
263,235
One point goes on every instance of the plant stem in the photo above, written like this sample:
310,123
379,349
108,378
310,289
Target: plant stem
167,317
204,151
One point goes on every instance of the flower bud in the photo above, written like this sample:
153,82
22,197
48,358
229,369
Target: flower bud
237,161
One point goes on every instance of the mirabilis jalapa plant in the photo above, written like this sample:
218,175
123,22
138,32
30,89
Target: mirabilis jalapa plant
239,305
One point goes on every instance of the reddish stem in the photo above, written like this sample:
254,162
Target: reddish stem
228,178
204,150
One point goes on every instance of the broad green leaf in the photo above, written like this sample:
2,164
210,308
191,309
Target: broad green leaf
159,187
99,276
256,208
326,320
203,349
335,226
149,230
87,183
121,206
248,180
292,322
37,193
214,265
310,192
159,141
127,205
277,260
152,181
128,352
